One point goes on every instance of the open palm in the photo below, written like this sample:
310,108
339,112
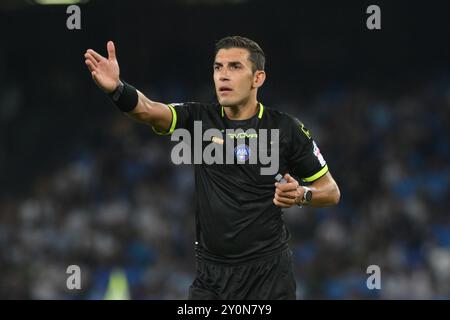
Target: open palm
104,71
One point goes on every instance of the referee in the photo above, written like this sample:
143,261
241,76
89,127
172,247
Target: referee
242,242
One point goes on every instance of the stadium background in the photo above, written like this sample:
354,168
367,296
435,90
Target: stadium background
82,184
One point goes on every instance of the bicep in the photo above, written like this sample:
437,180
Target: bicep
307,162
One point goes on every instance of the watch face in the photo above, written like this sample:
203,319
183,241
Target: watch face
308,195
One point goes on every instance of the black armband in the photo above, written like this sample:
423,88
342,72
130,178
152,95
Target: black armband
125,97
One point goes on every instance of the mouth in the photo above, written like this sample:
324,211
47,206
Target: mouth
225,89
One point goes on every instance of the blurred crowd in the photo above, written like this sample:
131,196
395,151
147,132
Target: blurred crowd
119,203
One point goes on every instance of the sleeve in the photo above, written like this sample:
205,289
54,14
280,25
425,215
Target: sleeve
183,116
304,157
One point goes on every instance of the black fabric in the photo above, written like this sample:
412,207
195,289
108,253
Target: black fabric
125,97
235,216
268,278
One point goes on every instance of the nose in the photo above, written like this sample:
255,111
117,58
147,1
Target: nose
223,76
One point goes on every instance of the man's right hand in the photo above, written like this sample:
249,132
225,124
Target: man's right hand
104,71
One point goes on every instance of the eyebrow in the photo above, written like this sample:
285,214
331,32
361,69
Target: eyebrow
233,63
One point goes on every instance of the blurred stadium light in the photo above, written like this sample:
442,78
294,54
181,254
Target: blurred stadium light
59,2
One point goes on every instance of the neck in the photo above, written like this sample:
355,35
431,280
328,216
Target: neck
243,111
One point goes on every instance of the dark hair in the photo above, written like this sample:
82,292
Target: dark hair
256,56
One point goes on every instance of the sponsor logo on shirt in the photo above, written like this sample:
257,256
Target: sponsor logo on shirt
317,153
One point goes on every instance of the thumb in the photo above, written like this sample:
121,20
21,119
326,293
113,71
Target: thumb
111,50
288,178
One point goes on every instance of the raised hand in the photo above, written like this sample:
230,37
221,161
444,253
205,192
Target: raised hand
104,71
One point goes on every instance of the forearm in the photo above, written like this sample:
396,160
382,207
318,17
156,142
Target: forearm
325,192
138,107
152,113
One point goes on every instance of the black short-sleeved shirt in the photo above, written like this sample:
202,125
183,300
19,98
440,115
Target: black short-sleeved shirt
235,215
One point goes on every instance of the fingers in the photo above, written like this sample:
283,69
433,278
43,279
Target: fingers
291,184
90,65
111,50
288,178
95,55
280,204
90,57
286,187
286,193
285,200
95,77
291,195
